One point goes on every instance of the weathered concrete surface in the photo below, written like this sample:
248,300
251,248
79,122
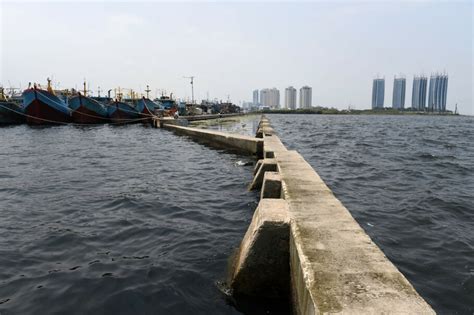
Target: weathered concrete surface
265,165
271,186
244,144
210,116
335,266
158,122
261,266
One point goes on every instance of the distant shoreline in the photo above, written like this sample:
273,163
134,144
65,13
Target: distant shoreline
335,111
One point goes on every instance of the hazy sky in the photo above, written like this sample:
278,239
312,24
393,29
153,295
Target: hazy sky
234,47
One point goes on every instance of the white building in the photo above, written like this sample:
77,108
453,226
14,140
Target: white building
255,97
270,98
290,98
306,97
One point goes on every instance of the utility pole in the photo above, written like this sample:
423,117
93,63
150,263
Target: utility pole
192,87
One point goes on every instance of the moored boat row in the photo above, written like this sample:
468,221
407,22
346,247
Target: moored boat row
46,106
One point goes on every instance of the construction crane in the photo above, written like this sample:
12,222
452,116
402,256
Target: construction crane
192,87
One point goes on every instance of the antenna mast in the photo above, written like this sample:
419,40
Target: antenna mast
192,87
147,90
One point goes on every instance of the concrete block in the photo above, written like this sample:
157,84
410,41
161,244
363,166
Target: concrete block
271,186
261,267
257,166
269,155
267,165
236,142
268,131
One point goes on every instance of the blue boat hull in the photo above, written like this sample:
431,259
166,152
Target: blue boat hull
87,111
122,113
44,108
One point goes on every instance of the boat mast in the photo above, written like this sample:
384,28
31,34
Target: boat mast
147,90
85,90
50,89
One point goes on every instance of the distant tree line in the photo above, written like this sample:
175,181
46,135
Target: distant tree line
334,111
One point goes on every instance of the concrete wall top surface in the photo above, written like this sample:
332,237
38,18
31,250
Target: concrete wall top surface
343,271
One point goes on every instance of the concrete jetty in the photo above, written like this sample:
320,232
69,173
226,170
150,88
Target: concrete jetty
158,122
244,144
304,242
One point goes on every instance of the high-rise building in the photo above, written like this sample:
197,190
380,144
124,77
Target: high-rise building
255,97
399,87
306,97
438,92
290,98
378,93
418,95
270,98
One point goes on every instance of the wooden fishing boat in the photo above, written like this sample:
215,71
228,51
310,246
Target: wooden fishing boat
86,110
146,108
122,113
43,107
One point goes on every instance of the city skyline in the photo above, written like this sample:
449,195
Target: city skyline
248,37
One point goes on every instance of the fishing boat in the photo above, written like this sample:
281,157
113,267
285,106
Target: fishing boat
167,102
43,107
10,112
86,110
121,112
145,106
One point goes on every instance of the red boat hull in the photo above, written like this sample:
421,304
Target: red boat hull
40,113
146,113
119,117
83,115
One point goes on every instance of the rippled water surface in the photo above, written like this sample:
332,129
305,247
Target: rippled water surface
133,220
409,182
117,220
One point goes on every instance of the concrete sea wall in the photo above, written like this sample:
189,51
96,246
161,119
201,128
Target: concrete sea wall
304,242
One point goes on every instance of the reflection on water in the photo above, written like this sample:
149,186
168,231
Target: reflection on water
117,220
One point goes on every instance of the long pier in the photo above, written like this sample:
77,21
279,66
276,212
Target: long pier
303,241
158,122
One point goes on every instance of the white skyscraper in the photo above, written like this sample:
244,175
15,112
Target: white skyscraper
306,97
255,98
290,98
270,98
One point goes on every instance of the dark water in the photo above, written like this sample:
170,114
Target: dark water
409,182
117,220
133,220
